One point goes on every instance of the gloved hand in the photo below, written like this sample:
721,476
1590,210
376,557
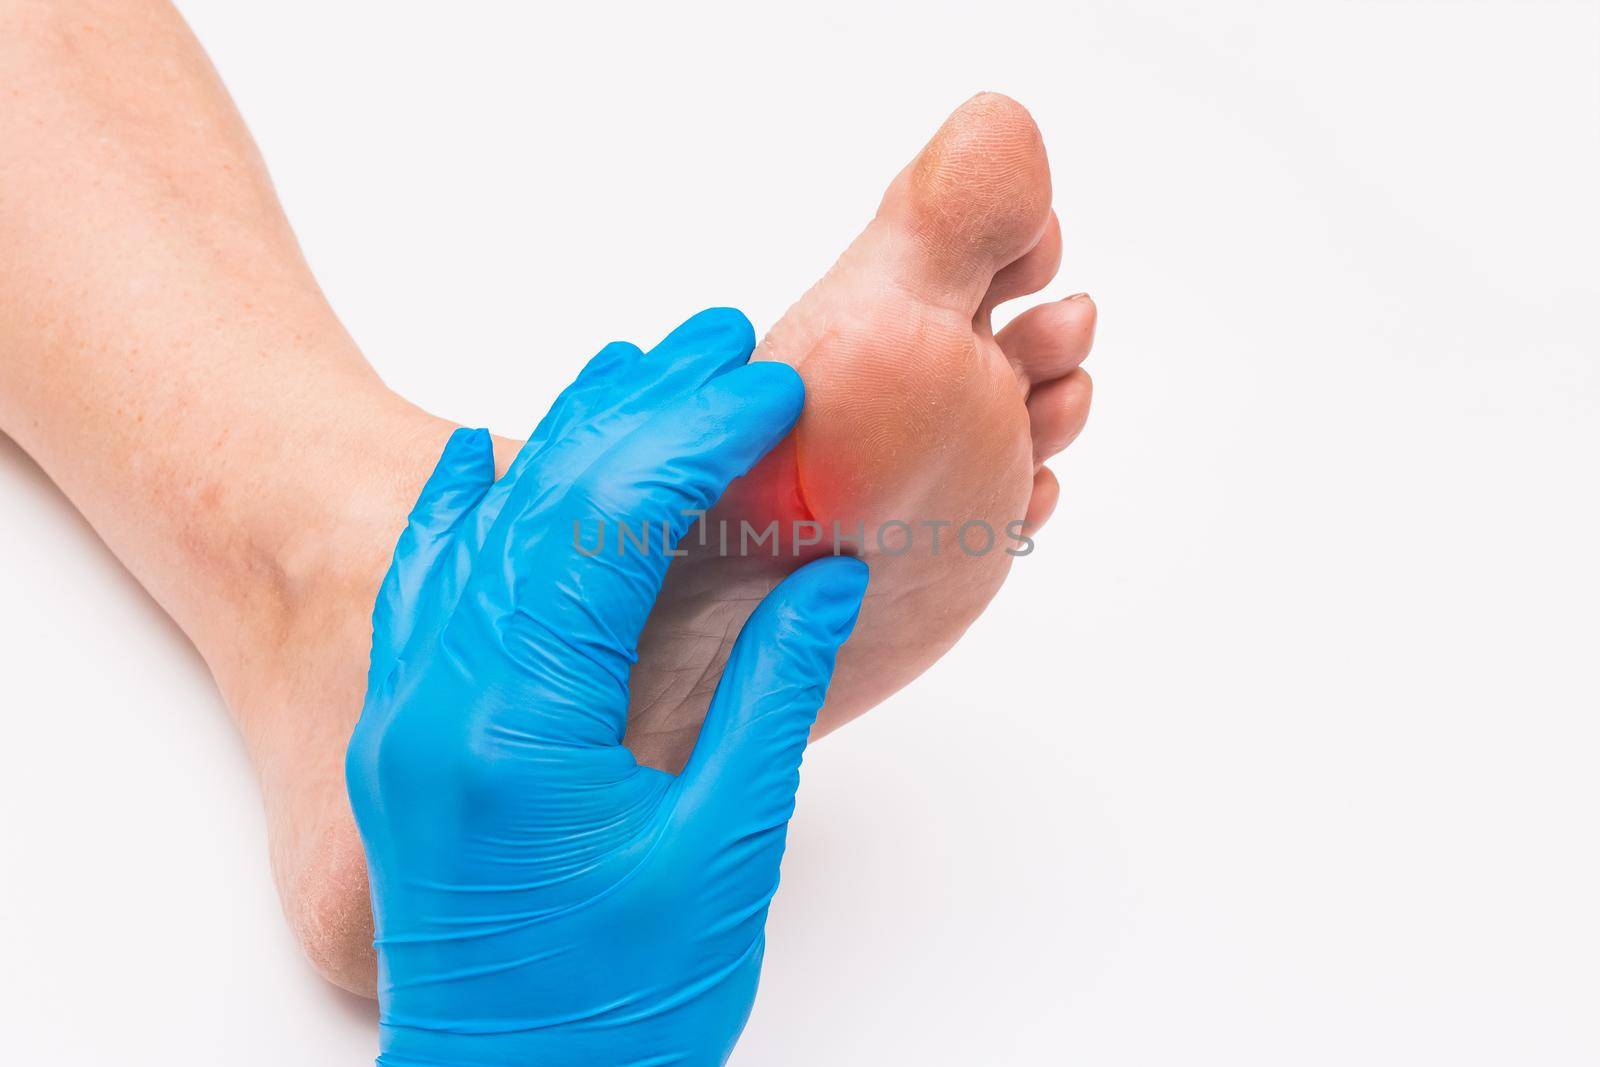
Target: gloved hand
540,898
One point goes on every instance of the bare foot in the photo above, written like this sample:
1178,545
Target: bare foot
916,416
916,413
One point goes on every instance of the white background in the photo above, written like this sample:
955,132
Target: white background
1281,750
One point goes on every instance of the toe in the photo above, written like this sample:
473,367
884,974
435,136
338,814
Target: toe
1057,412
1030,273
1046,492
1048,341
978,196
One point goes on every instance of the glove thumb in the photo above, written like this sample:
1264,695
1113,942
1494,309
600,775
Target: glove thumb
746,765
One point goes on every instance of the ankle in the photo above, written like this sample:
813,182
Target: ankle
320,530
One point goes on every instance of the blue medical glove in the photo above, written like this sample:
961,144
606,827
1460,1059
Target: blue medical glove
540,898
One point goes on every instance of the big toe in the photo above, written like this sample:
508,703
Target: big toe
977,197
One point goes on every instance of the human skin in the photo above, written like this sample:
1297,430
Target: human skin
168,359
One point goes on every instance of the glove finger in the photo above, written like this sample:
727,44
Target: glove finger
459,480
590,392
577,612
707,344
740,782
612,400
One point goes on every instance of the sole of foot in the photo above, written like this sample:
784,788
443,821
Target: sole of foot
923,439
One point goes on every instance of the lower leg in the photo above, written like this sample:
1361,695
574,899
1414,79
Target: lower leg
167,358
